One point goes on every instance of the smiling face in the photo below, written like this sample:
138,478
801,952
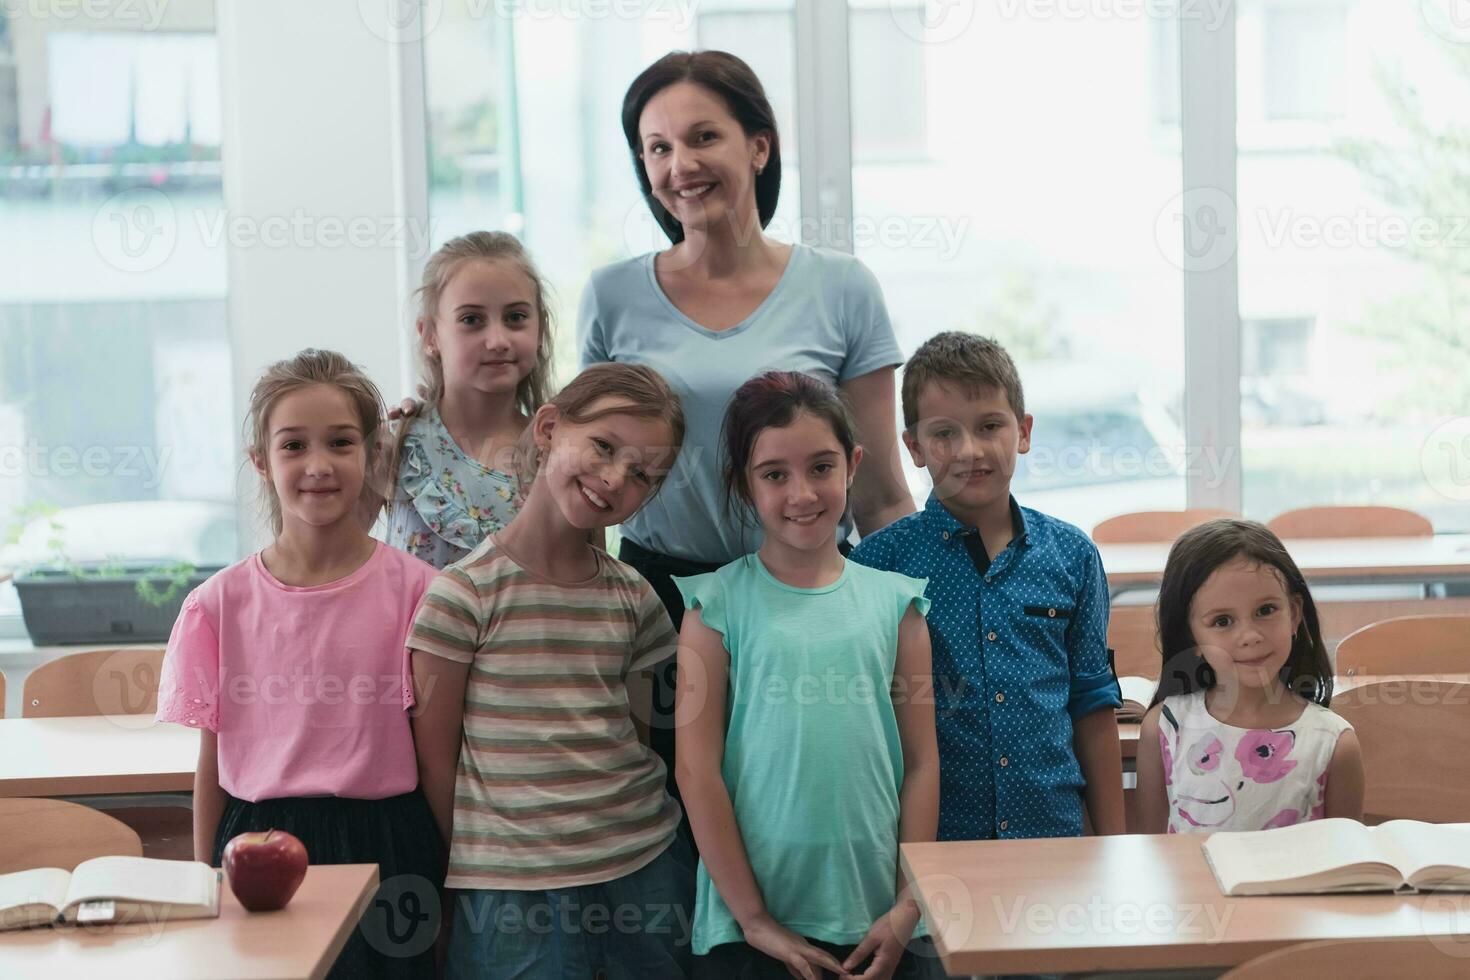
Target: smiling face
486,329
600,472
968,443
1243,620
701,165
798,478
315,456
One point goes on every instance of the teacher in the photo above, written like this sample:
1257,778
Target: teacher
724,303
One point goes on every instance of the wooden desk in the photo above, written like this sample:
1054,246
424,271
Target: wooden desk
300,942
1132,903
94,756
1369,561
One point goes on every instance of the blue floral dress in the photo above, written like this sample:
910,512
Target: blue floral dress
446,501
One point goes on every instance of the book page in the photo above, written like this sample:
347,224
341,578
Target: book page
1285,854
1429,855
144,880
38,886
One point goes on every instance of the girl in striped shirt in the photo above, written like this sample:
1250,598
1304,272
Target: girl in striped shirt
530,660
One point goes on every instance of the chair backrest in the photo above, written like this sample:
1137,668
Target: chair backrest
1350,522
1342,959
2,694
1415,736
57,834
1407,645
1133,638
1146,526
98,682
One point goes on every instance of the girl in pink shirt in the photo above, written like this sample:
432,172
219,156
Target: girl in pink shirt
291,663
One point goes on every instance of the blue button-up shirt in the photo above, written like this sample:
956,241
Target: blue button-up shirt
1020,650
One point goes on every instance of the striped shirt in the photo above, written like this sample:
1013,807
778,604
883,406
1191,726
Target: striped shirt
554,789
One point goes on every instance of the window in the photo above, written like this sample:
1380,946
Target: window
114,359
889,103
1304,64
1031,218
1360,237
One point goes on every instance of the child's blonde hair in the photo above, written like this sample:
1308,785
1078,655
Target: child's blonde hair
308,368
645,388
493,246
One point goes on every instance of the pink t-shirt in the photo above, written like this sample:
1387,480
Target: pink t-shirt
305,687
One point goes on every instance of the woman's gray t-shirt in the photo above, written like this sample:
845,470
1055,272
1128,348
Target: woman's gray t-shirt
825,317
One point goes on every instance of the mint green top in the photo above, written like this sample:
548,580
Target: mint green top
813,760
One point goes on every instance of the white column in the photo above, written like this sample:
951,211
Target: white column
1210,227
316,184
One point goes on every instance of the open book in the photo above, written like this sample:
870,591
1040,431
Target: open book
109,889
1341,855
1137,693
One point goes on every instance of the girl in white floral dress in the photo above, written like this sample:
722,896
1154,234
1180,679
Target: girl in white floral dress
484,339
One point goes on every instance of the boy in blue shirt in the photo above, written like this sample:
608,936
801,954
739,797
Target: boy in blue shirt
1024,692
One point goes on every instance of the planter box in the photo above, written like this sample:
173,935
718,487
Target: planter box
99,606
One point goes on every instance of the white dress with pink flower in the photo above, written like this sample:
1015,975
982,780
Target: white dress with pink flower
1220,777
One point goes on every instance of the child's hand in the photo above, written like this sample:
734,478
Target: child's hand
884,942
800,957
409,407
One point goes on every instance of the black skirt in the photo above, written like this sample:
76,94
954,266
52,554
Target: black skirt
395,937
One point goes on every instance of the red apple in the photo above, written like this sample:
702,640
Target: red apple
265,869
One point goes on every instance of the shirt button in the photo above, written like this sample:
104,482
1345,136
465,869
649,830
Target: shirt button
999,696
1004,762
944,535
990,636
1052,613
1004,824
987,578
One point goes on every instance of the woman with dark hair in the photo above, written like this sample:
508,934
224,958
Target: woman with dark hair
725,303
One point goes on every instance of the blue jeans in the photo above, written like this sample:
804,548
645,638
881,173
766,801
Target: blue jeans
637,927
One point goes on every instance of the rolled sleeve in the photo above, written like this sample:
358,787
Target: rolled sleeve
1093,685
871,342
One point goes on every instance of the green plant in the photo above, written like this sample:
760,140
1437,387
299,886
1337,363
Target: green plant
174,578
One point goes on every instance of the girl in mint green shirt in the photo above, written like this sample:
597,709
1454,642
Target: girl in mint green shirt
804,714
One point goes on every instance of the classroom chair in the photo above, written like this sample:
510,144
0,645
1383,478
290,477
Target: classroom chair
1147,526
55,834
1350,522
1358,959
1415,736
116,682
98,682
1407,645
